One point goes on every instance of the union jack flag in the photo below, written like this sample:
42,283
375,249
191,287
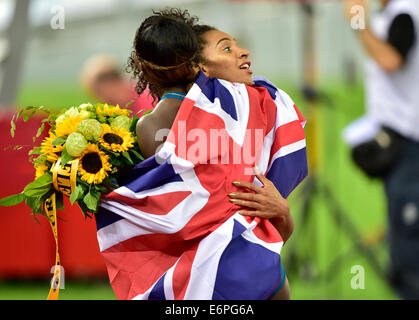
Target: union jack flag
170,231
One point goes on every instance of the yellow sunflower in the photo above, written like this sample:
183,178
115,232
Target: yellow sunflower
116,139
111,111
67,126
94,164
40,169
48,149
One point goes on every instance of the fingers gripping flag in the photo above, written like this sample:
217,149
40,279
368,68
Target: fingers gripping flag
170,231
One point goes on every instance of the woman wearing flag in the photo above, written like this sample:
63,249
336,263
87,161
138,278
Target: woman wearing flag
215,57
171,232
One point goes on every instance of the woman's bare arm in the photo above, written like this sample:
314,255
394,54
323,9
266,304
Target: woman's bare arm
152,129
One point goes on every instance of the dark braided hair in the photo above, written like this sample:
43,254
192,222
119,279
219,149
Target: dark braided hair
165,51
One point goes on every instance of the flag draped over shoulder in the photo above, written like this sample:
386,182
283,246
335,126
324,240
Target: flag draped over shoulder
170,231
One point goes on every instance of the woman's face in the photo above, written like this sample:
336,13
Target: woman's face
225,59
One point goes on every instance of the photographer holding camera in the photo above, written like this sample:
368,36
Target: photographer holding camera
392,101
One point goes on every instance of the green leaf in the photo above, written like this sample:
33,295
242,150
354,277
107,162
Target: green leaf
137,154
27,116
13,128
133,126
108,184
83,208
42,181
116,162
36,192
147,112
59,141
20,113
35,204
65,157
30,202
17,147
76,194
126,156
40,130
36,150
12,200
39,187
91,200
101,189
101,119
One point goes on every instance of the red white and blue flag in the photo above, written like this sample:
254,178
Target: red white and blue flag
170,231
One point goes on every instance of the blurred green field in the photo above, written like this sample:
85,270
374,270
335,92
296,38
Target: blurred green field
321,242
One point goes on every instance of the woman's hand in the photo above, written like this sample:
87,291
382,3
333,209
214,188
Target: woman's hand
266,202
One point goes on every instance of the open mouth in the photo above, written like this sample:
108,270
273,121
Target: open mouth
246,66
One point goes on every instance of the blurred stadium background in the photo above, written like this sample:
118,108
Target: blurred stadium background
343,227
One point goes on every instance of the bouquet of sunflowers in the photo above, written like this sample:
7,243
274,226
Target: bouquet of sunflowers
86,147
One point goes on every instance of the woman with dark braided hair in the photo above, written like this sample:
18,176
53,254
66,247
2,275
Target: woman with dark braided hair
170,50
164,55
